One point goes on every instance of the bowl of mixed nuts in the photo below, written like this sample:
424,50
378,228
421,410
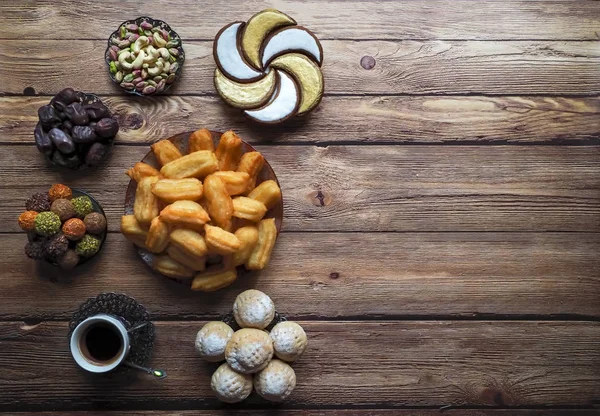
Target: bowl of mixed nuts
144,56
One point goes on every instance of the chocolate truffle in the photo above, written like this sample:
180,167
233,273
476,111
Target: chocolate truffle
57,246
47,223
74,229
38,202
59,191
87,246
27,220
95,223
68,260
83,206
63,208
35,249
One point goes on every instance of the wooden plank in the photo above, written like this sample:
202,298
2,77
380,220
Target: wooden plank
373,364
402,67
426,119
329,275
455,19
375,188
230,411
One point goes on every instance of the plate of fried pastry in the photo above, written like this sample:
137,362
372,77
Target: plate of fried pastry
202,207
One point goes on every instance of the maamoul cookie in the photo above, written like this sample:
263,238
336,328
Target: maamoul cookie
276,382
249,350
253,309
212,339
229,386
289,340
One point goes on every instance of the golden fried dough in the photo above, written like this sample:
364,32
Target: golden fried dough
145,207
188,214
189,242
195,165
220,241
165,152
200,140
171,190
251,163
267,192
229,151
211,281
158,236
195,263
169,267
260,256
130,228
248,208
142,170
220,205
248,237
236,183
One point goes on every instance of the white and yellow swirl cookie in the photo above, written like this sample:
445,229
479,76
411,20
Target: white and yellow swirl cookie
269,67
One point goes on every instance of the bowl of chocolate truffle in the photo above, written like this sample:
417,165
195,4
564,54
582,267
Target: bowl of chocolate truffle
75,130
65,227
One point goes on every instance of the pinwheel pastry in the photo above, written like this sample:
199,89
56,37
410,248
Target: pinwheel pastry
269,67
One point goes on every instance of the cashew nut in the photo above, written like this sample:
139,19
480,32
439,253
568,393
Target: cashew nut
164,52
123,61
140,43
138,62
158,39
167,66
151,54
156,70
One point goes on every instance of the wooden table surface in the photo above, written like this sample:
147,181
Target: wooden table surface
441,234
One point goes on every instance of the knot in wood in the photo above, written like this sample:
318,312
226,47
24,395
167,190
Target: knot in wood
319,198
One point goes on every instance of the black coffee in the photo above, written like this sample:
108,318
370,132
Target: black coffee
103,342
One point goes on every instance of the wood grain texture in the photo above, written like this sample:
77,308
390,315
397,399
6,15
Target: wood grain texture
230,411
345,275
399,363
450,19
345,120
374,188
402,67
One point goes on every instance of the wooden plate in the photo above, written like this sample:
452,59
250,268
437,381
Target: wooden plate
181,141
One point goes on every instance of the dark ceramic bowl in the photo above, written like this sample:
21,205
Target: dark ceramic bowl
156,23
86,98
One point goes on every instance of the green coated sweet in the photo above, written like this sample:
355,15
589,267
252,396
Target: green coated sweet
47,223
87,246
83,206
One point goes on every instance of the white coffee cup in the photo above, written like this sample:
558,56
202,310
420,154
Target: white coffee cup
96,337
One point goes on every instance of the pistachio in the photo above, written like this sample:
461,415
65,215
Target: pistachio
149,90
141,42
155,29
139,60
174,52
124,44
157,78
113,67
115,41
164,34
127,85
140,86
170,79
144,73
131,27
145,25
147,33
140,31
173,59
128,78
173,43
113,55
137,73
161,85
164,75
119,76
174,68
115,48
158,39
137,80
122,32
133,37
150,82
